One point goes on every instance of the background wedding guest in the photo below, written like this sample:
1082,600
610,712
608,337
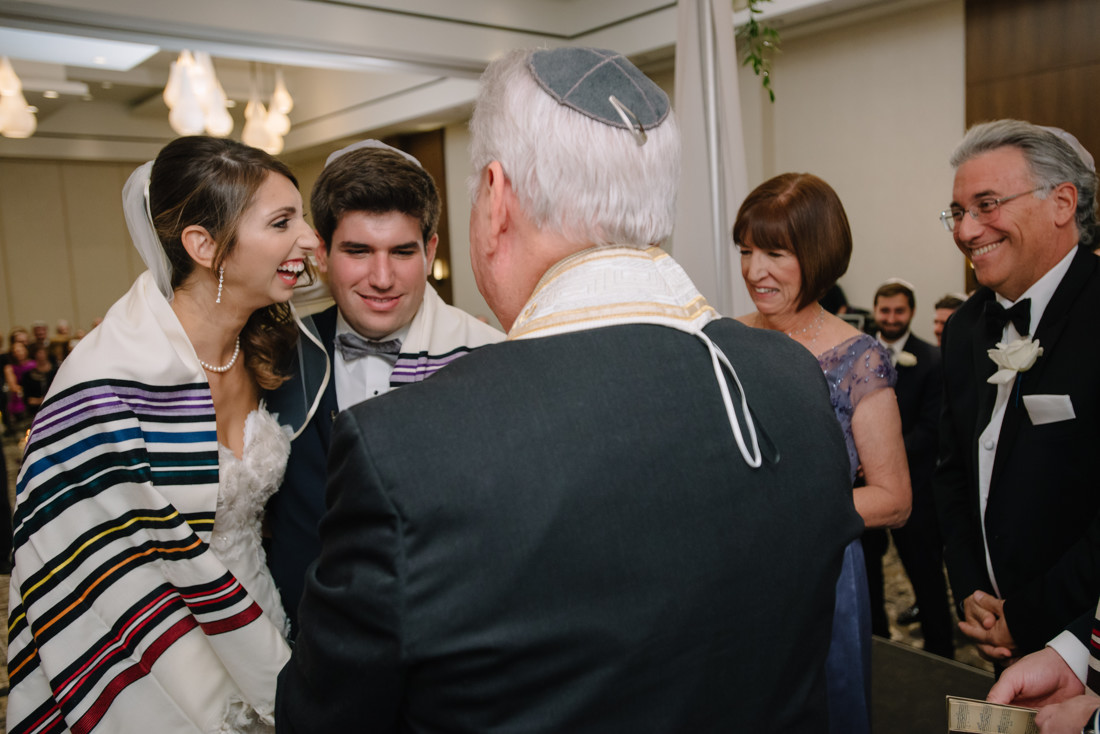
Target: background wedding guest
1016,483
795,241
376,210
10,383
944,308
919,390
138,555
20,362
36,383
40,336
573,531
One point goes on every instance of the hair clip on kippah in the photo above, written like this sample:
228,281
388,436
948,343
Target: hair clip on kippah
630,120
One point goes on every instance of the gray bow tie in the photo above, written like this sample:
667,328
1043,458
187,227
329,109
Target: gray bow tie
353,347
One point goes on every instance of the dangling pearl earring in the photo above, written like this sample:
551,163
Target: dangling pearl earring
221,282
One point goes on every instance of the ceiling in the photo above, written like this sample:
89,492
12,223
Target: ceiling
354,67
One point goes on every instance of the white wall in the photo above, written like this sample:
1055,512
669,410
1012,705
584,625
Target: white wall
874,108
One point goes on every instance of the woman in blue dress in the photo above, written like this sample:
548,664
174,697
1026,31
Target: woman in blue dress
795,242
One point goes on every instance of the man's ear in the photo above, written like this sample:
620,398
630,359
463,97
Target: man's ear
1065,201
429,251
500,199
199,245
321,254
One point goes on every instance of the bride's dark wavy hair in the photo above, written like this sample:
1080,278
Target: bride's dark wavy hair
210,182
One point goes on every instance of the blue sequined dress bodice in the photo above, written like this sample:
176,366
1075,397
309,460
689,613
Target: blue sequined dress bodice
854,369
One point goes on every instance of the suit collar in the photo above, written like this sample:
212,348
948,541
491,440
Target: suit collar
1049,328
899,345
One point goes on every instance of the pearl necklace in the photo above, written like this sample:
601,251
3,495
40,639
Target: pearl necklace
818,321
228,365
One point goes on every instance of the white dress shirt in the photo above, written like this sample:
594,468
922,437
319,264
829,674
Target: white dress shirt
1040,294
364,378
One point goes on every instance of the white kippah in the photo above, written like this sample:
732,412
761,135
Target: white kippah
1074,143
370,144
899,281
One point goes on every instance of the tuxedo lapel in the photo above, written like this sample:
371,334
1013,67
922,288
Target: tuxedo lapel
1058,312
329,407
980,344
1048,333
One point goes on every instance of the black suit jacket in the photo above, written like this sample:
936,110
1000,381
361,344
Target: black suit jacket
560,535
919,390
292,512
1043,514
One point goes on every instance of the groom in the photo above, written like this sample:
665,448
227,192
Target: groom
376,210
1019,459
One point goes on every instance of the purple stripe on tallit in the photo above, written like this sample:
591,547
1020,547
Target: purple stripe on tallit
408,370
102,400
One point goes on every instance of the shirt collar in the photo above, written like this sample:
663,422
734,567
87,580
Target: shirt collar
898,344
1043,289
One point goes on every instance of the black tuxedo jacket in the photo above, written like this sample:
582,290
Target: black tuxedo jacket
560,535
1042,519
919,390
293,511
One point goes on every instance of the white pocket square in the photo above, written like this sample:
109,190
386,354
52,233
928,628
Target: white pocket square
1049,408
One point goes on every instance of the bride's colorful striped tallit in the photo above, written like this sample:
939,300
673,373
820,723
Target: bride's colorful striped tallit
121,619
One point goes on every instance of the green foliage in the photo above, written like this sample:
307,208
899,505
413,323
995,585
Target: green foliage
758,43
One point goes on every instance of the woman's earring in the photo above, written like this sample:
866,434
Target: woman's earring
221,282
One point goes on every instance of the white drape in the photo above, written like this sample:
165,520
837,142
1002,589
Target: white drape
714,179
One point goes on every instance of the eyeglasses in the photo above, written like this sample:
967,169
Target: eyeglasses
983,211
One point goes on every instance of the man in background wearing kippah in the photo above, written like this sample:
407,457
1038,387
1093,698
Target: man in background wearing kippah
375,209
629,516
918,389
1016,483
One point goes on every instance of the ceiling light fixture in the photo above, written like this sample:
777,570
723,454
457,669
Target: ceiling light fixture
264,128
17,118
195,98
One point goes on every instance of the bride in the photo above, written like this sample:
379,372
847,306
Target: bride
140,601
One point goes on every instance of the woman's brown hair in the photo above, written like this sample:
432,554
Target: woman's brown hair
799,213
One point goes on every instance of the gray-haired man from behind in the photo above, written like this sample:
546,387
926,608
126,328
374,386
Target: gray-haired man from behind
629,516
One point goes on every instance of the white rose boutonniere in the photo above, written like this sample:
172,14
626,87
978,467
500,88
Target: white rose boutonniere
907,359
1013,358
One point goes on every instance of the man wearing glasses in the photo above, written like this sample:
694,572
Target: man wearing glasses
1020,436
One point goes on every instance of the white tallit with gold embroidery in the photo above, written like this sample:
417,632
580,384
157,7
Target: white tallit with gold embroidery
617,285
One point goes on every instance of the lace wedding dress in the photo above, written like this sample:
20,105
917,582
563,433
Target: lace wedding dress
245,485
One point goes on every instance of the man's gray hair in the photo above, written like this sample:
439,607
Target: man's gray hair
587,181
1051,159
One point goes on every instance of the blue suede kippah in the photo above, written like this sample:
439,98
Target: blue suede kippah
585,79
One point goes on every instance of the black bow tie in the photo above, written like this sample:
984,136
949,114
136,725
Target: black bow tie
996,316
353,347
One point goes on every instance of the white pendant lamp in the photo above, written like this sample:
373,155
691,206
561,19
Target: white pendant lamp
195,98
17,118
